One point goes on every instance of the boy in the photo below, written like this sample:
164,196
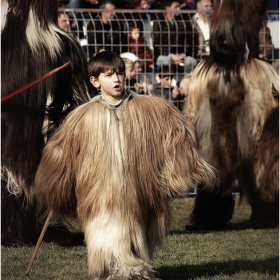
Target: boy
117,161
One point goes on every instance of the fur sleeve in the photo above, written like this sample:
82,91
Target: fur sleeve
55,178
169,155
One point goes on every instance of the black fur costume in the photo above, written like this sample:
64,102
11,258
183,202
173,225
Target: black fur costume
33,45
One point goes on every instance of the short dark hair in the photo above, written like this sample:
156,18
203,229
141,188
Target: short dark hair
168,3
105,61
104,2
165,71
132,25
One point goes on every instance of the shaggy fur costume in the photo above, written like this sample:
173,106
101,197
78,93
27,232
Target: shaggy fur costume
233,104
32,46
119,168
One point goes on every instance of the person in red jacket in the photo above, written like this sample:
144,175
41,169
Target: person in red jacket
138,46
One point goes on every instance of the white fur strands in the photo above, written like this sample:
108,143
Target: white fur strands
4,10
124,164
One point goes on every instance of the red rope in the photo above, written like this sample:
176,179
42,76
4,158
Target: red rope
33,83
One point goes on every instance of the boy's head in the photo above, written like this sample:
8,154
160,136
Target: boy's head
105,61
165,75
107,72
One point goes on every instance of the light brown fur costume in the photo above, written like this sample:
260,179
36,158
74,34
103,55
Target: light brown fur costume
233,105
229,116
122,165
229,120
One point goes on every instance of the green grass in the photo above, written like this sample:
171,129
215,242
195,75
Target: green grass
238,253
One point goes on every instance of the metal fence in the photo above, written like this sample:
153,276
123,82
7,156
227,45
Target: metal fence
158,37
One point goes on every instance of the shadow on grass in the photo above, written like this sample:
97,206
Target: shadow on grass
269,266
236,226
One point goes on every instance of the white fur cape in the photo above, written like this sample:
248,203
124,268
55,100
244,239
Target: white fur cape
118,168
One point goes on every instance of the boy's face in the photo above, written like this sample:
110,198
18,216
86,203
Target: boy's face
166,81
135,34
111,85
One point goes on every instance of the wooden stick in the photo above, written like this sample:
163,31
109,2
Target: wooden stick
39,242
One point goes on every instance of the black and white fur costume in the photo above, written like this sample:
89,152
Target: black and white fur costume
33,45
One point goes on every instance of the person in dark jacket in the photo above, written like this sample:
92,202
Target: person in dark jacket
106,32
166,90
172,39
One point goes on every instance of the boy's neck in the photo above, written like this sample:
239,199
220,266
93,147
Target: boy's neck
115,102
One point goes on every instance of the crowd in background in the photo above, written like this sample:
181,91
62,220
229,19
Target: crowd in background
160,49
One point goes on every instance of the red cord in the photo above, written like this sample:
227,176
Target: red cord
33,83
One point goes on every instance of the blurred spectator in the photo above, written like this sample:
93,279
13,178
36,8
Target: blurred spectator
89,4
157,5
188,5
72,4
136,18
142,78
136,80
172,39
145,5
131,4
130,56
165,90
138,46
63,21
105,32
63,3
201,23
184,85
130,79
266,47
79,22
